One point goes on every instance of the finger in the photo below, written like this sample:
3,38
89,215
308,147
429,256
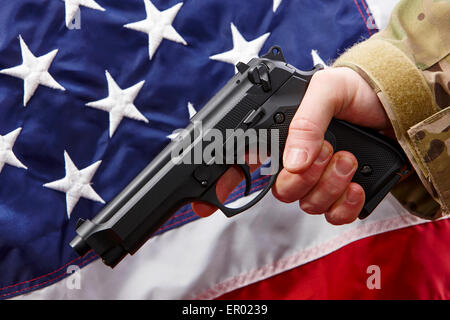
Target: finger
332,184
225,186
307,129
348,206
230,180
291,187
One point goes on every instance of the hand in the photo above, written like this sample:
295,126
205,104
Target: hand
312,174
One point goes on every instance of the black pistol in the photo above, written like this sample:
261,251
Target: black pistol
265,94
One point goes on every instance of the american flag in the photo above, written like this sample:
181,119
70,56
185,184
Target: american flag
91,91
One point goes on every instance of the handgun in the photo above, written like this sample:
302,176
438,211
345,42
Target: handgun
265,93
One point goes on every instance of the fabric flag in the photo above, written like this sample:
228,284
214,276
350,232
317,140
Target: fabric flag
91,91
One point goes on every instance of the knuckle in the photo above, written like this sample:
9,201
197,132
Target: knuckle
305,127
331,76
309,208
313,207
334,81
293,187
330,217
282,189
333,218
309,180
282,196
322,75
334,191
338,217
332,187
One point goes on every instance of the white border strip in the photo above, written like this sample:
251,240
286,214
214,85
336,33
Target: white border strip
381,11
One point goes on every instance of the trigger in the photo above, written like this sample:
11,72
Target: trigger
248,178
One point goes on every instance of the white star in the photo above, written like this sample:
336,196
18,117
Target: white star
317,59
192,112
6,154
173,136
119,103
34,71
276,4
243,50
76,184
158,26
72,6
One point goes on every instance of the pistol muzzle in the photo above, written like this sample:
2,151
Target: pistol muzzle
80,246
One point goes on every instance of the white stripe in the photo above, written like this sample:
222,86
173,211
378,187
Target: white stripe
208,257
381,11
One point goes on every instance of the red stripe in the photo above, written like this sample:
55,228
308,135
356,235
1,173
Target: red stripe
80,264
414,264
362,15
365,7
45,275
369,14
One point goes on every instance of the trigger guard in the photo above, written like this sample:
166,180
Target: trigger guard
230,212
210,196
248,178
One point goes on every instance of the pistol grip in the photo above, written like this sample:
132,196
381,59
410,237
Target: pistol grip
381,161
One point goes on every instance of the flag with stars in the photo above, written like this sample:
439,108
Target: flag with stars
92,90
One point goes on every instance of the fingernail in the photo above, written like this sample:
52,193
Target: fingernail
344,166
353,196
295,159
324,155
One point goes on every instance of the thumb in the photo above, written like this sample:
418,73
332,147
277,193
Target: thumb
325,96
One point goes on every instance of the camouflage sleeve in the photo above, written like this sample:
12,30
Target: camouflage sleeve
408,65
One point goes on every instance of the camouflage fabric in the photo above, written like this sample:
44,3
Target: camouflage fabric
408,65
431,138
420,28
438,76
